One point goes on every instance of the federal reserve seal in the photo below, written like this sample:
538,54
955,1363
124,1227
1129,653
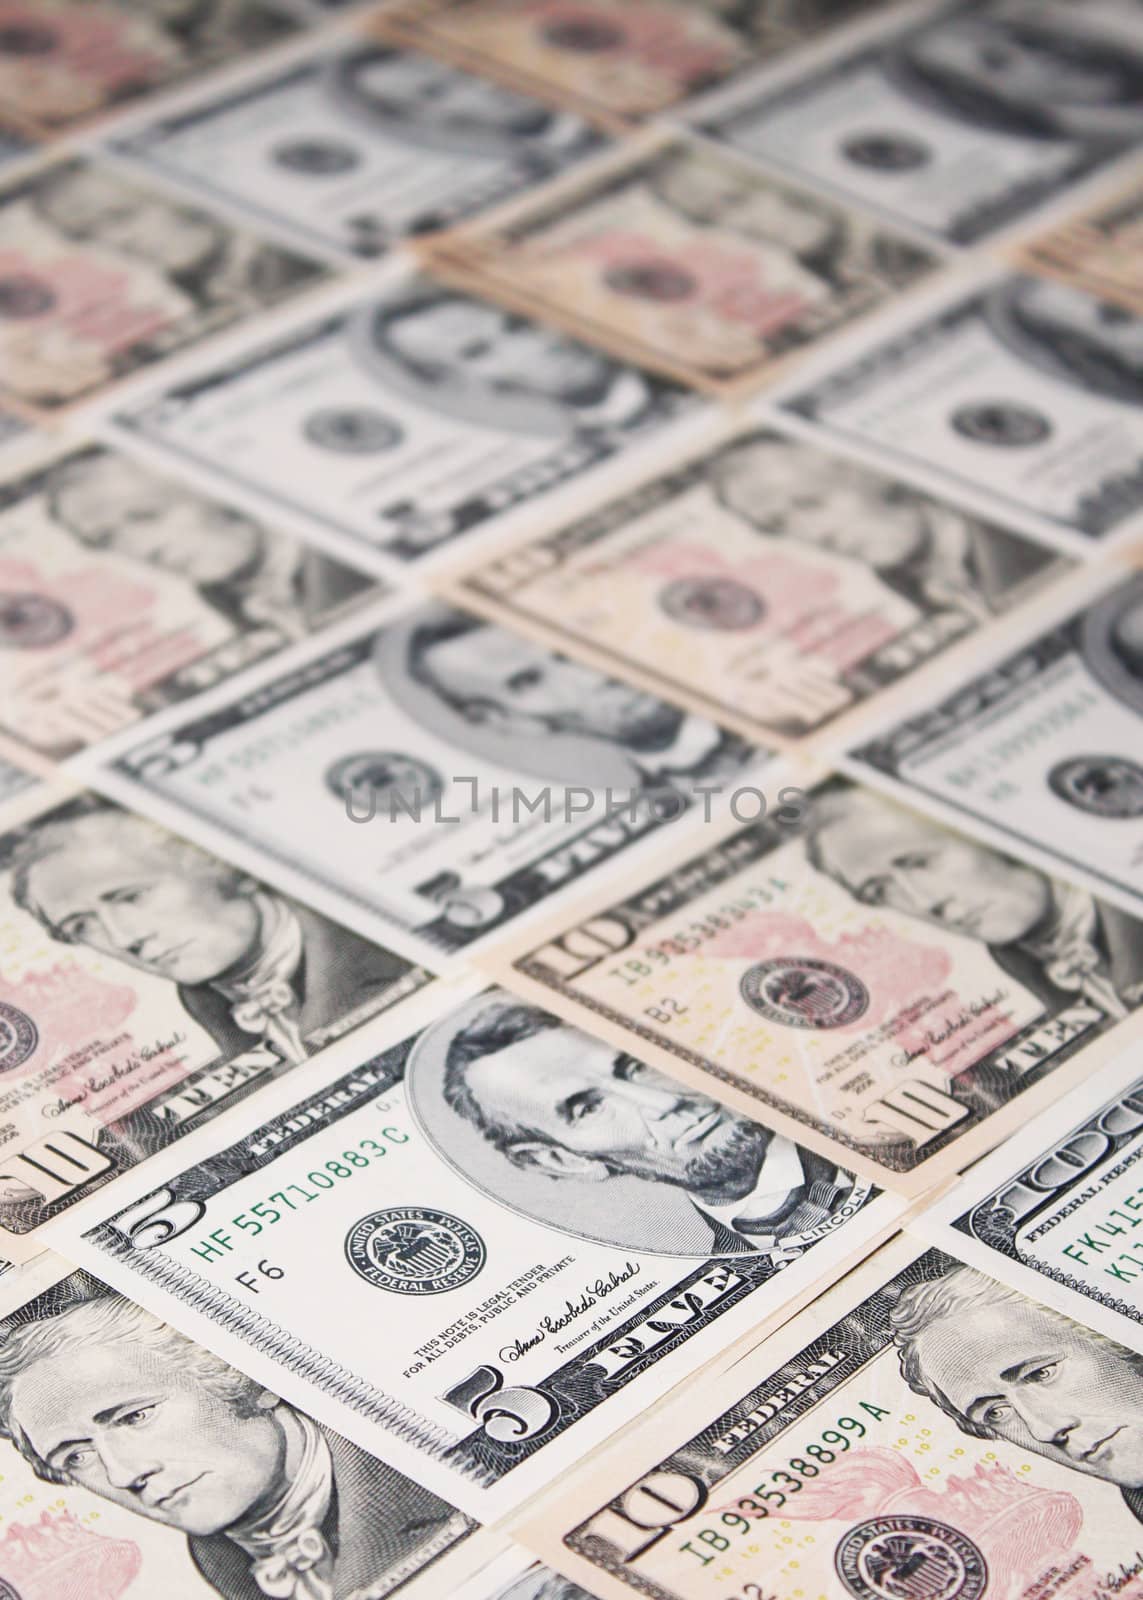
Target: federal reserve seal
722,604
910,1558
660,281
886,152
28,39
387,781
19,1037
352,430
32,621
316,158
584,36
803,992
1001,423
414,1250
1101,786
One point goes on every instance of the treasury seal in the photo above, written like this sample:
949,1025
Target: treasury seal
32,621
414,1250
803,992
722,604
1102,786
910,1558
19,1036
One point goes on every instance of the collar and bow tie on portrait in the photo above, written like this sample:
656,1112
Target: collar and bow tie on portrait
1073,959
291,1557
261,996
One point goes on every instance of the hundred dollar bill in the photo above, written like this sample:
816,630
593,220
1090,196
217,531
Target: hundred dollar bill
137,1463
1040,747
687,258
1054,1211
72,59
103,275
616,62
352,149
123,591
724,583
145,986
1097,251
874,983
923,1433
1026,390
433,773
407,420
550,1233
961,122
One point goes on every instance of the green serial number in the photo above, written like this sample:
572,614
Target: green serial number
265,1213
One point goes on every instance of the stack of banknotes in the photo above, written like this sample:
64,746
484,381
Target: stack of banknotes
571,693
